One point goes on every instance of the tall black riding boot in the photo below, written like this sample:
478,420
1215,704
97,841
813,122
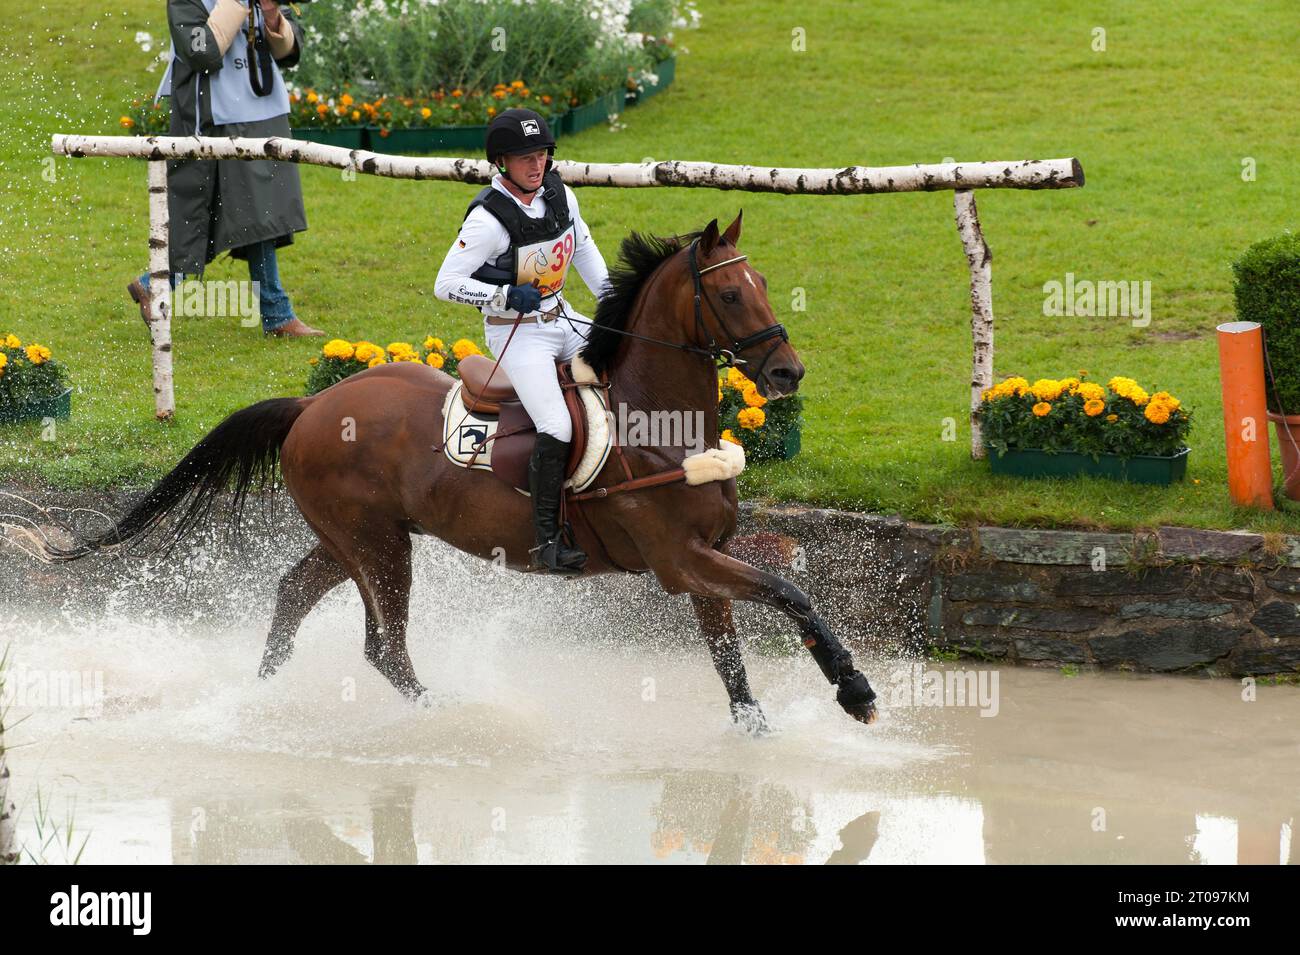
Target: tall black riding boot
545,484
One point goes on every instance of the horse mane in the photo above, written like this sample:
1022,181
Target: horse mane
639,255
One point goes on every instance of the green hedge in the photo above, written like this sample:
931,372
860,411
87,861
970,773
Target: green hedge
1267,290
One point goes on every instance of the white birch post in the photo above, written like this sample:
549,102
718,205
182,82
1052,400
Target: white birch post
8,823
980,260
160,292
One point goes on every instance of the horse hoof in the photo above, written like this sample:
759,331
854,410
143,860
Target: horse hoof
750,719
425,701
856,698
863,712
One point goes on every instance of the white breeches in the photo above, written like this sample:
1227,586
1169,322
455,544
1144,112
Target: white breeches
530,363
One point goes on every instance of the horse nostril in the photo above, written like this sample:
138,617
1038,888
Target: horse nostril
786,379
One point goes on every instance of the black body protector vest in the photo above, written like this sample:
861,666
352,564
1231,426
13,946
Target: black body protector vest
540,249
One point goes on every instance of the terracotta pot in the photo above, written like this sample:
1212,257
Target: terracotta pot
1288,439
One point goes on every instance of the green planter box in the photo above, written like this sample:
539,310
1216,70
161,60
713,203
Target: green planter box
1138,469
666,70
594,113
58,406
427,140
792,445
349,137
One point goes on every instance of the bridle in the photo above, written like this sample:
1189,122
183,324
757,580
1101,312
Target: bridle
726,357
721,357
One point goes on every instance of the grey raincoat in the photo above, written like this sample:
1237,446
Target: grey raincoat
219,205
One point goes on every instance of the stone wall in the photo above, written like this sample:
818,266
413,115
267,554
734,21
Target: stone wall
1167,600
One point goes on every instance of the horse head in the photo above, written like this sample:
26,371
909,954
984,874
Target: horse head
736,315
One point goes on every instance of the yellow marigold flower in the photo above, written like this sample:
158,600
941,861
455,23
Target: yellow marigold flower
377,360
37,354
751,418
752,397
313,361
719,392
1157,412
1042,408
426,112
1090,391
1138,396
434,344
1112,418
1070,384
126,122
517,84
1093,407
346,99
728,436
1122,386
1168,400
365,351
337,348
435,360
736,378
4,359
311,96
1046,389
399,348
1015,386
462,347
12,341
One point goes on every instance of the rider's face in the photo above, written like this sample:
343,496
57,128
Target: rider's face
527,169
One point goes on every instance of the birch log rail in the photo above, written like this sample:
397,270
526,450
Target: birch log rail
962,178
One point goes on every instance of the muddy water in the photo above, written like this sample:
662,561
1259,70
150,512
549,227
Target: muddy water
598,746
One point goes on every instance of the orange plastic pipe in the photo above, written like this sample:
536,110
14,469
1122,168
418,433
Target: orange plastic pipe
1245,414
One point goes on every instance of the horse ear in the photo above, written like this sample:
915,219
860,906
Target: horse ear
709,238
732,234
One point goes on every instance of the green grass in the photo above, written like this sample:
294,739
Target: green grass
1161,122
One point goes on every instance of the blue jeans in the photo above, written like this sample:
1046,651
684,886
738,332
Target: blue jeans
264,269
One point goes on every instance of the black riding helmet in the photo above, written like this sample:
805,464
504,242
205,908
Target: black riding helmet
519,130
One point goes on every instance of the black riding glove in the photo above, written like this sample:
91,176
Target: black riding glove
523,298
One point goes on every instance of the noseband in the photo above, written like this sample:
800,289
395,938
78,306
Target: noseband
726,357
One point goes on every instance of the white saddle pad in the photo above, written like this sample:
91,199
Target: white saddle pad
463,431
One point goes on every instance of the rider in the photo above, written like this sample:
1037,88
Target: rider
512,254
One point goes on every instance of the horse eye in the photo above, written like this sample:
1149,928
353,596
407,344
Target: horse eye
731,298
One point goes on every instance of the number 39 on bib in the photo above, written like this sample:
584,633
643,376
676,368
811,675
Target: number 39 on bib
545,264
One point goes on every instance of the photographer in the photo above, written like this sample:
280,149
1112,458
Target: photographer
221,85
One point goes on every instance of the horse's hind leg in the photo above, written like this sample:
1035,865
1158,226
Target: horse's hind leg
382,571
300,589
714,614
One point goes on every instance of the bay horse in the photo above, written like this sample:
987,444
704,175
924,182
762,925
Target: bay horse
365,493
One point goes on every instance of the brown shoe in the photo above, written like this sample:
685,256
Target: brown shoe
140,295
294,328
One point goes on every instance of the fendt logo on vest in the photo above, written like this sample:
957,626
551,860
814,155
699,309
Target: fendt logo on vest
530,127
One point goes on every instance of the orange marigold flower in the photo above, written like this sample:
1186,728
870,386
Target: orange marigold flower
1042,408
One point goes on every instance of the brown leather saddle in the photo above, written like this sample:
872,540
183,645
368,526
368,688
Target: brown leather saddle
512,444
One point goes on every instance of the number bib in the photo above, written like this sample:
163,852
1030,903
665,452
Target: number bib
545,264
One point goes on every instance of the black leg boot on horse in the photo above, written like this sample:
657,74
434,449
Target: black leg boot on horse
546,485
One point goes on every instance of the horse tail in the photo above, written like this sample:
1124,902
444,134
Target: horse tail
241,454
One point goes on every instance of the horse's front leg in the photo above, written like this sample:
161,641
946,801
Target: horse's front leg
714,614
703,571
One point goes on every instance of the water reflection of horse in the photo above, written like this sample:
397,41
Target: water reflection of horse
358,461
